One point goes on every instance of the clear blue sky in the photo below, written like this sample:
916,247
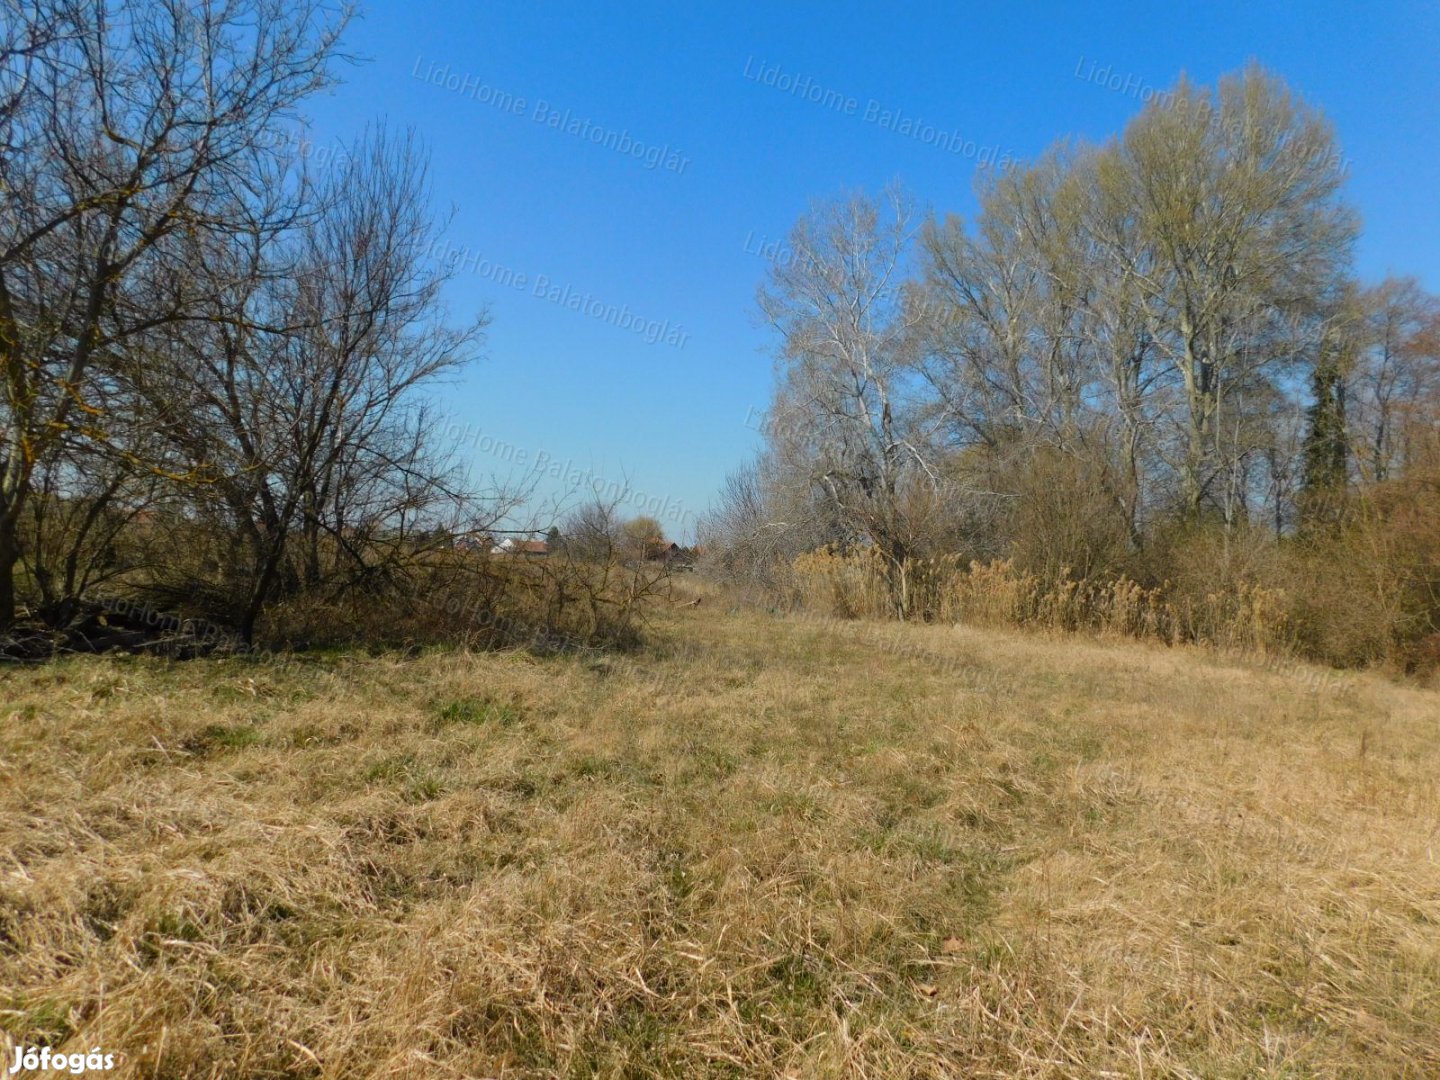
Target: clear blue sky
666,239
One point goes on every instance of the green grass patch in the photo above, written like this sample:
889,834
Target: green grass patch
476,711
417,782
216,738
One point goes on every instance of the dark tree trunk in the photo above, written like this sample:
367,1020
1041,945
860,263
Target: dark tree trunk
9,558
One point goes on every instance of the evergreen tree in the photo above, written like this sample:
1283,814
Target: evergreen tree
1326,460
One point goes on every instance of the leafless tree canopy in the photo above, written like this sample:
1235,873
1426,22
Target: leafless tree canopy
133,133
1155,335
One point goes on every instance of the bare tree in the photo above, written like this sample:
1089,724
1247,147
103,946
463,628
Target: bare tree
1394,385
89,519
126,128
1238,232
297,398
839,307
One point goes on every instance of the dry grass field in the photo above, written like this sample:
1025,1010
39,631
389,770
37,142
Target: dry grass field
760,847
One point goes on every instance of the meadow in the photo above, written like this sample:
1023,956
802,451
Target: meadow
758,846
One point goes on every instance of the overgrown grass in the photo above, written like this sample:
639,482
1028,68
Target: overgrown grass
762,847
1243,616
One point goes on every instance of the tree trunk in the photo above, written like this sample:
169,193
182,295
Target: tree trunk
9,557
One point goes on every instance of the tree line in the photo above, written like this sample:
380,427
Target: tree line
1149,359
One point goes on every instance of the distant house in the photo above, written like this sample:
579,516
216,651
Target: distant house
671,554
473,542
532,548
658,550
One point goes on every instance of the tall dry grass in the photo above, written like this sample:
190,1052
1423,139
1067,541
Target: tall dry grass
1239,615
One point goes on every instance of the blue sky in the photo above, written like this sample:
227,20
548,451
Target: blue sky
526,109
